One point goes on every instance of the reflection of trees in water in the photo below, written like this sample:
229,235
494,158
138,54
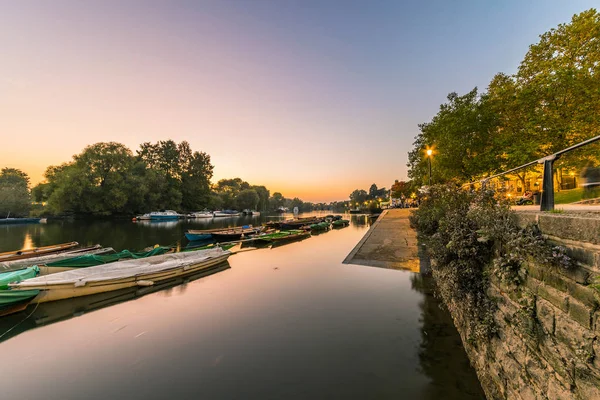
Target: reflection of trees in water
441,355
359,220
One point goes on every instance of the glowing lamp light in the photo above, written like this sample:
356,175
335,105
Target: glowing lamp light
429,152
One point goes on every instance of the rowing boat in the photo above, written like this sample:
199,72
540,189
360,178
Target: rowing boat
37,251
120,275
92,260
282,236
233,233
340,223
19,264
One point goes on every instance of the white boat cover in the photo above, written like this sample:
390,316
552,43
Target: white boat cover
124,269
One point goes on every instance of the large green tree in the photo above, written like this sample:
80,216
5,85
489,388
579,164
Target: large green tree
14,193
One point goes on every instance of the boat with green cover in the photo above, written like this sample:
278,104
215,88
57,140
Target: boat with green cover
321,226
283,236
15,300
340,223
92,260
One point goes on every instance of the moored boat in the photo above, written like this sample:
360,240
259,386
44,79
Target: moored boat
63,255
36,251
235,233
320,226
120,275
12,221
201,214
195,234
340,223
282,236
164,215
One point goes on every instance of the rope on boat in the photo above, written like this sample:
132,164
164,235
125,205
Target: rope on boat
23,320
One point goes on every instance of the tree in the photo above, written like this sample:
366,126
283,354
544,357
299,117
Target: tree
247,199
14,193
263,197
195,182
358,196
461,135
277,200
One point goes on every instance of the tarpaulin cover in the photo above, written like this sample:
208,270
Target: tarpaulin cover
17,276
91,260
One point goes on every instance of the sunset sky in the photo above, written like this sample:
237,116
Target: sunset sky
310,98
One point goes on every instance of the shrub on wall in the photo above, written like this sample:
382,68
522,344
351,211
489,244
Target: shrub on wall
470,234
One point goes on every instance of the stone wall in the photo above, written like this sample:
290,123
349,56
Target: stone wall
548,340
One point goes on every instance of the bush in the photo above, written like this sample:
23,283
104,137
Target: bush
469,235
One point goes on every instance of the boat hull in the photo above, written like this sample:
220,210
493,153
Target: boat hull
66,291
193,237
13,221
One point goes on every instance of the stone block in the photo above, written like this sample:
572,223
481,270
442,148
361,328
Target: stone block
578,273
578,338
532,284
556,280
545,315
558,299
562,368
587,385
534,270
571,227
581,313
557,391
578,253
596,361
538,371
585,294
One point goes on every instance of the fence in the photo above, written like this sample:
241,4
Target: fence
547,200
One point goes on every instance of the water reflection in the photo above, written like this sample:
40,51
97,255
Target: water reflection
37,315
289,322
441,348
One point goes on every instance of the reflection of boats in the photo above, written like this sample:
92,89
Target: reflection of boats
251,212
282,210
36,251
201,214
11,221
17,264
120,275
48,313
159,224
226,213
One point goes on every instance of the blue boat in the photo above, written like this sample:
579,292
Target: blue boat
192,237
11,221
164,215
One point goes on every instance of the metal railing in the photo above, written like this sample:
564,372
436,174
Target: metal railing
547,201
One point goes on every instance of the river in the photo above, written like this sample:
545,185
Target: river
290,322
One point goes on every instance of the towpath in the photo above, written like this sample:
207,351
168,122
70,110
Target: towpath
389,243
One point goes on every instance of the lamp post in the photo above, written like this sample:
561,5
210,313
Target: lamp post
429,153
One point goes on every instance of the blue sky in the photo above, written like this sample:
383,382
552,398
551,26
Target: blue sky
311,98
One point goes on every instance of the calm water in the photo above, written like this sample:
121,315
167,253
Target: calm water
286,322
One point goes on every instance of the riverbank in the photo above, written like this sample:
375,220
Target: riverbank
389,243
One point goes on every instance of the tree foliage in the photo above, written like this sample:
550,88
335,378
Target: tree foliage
14,193
552,102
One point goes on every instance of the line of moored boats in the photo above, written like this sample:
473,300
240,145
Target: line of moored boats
64,271
169,215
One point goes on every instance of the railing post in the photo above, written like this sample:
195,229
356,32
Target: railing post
547,203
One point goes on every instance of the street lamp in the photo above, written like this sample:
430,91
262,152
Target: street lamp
429,153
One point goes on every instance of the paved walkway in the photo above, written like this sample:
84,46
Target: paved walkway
389,243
